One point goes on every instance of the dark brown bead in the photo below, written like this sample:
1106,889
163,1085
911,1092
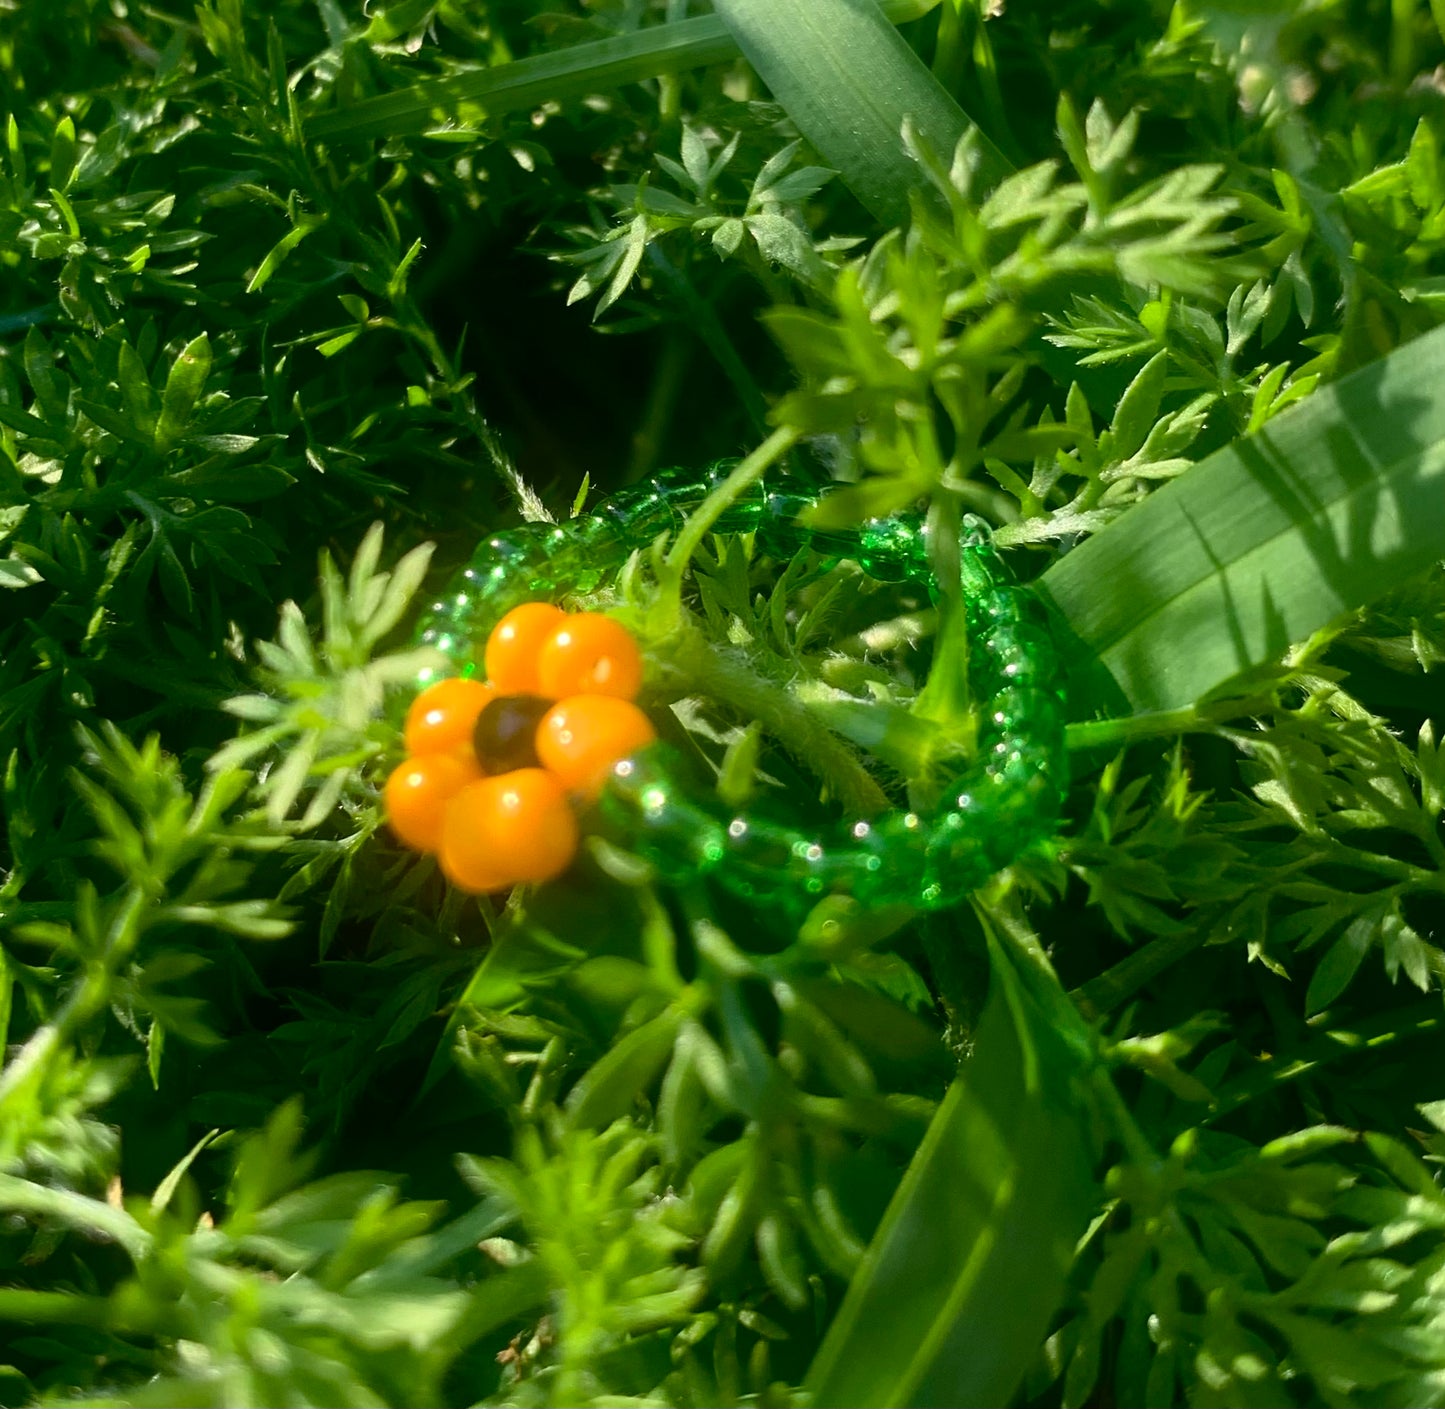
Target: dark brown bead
506,732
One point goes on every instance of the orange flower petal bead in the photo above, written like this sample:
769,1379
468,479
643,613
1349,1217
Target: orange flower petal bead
513,647
441,719
580,739
513,829
589,654
417,794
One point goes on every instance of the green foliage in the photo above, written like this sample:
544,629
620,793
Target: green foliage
941,319
322,705
763,224
320,1292
1234,541
853,85
1239,1252
1008,1122
1157,1120
116,945
602,1240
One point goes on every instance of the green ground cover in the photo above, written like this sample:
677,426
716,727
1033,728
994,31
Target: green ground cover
1154,288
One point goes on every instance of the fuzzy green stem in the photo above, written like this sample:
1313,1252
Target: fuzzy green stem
698,667
1402,40
669,85
1115,733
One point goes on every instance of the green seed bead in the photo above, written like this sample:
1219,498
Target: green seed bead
894,550
643,808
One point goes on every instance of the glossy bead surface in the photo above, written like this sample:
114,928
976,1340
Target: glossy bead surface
514,829
581,739
514,646
505,737
441,719
589,654
417,794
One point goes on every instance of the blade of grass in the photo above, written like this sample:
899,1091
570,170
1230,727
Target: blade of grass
963,1276
848,80
573,72
1320,512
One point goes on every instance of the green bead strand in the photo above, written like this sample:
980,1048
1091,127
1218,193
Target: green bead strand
1004,802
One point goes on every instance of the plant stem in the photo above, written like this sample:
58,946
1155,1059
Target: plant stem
1115,733
1419,1020
702,320
948,55
701,668
54,1308
700,522
661,403
1104,993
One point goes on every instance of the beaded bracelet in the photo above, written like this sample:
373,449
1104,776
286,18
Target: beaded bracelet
1005,801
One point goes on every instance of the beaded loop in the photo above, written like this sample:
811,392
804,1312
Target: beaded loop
1005,801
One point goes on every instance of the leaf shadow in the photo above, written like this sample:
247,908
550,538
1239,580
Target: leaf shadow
1291,527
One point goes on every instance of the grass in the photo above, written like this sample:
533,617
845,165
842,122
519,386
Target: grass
299,303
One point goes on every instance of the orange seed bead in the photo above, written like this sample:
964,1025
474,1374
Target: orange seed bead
580,739
441,719
417,794
589,654
512,648
514,829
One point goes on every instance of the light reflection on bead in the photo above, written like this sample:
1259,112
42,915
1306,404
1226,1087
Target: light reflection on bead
1006,801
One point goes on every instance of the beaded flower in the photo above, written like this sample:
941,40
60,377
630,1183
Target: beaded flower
494,765
497,826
